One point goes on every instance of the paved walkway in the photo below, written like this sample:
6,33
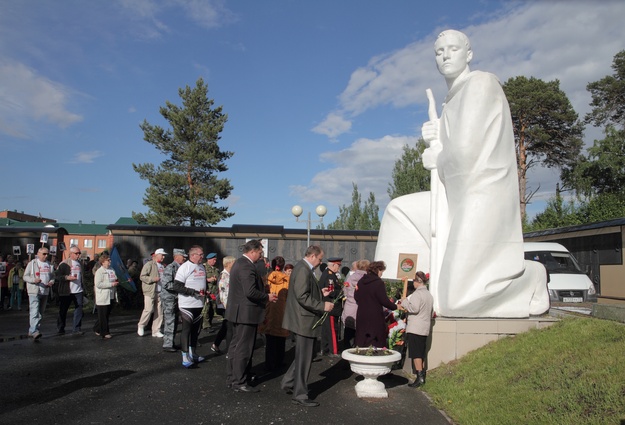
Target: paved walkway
129,379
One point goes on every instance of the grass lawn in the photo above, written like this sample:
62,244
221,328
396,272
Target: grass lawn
570,373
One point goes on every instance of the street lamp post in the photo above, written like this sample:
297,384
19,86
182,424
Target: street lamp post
297,212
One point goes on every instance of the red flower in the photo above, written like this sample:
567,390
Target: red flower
346,284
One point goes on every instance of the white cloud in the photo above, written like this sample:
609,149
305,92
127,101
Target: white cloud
333,126
209,14
27,97
368,163
85,157
151,17
570,41
573,42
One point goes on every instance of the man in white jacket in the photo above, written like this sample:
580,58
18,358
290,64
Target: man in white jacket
39,277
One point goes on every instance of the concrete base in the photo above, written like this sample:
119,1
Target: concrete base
614,312
452,338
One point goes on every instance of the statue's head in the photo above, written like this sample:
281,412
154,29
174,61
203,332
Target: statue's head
453,53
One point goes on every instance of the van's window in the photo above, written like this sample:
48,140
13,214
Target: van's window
555,262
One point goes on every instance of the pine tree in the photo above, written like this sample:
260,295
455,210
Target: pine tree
184,189
608,96
546,128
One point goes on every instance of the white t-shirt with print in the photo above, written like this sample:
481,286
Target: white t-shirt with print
75,286
45,274
194,276
112,278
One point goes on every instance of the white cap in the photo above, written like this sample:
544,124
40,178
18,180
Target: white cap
160,251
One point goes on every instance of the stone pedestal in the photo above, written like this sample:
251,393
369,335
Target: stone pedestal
452,338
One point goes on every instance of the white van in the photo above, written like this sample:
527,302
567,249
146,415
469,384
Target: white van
567,283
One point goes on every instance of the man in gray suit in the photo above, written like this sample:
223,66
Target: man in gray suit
304,307
246,309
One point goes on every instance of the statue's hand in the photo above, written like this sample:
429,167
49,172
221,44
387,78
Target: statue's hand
430,155
429,131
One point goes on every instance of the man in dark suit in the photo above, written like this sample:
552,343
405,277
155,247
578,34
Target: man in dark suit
304,307
246,308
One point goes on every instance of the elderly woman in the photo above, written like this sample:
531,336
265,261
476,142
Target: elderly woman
419,311
105,281
225,331
359,269
371,298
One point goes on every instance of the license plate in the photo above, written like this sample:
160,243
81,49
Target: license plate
572,299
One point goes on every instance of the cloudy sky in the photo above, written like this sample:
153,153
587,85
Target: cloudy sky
319,94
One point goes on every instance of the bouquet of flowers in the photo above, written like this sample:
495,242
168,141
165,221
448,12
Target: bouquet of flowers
396,329
338,298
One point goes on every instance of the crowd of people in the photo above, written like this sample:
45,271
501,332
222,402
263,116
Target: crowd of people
322,308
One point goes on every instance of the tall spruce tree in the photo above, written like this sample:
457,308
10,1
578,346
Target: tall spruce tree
184,189
546,128
408,175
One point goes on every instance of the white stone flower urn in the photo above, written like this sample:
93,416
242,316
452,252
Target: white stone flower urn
370,367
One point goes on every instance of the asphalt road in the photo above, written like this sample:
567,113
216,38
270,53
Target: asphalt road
129,379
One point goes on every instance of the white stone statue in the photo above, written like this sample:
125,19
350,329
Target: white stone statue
471,225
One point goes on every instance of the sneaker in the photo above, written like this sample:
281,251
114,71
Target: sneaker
140,331
158,334
198,359
108,336
215,349
97,333
187,361
36,335
78,333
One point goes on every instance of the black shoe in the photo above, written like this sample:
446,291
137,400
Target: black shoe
246,389
306,402
61,332
216,349
170,349
252,377
77,333
420,380
288,391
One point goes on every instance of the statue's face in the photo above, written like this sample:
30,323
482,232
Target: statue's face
452,54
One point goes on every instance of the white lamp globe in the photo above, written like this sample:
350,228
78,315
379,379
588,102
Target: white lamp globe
321,210
297,210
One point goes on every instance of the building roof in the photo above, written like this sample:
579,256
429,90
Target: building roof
577,228
126,220
85,229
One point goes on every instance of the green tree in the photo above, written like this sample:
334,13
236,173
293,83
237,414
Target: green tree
185,188
599,177
408,175
357,216
602,170
602,207
546,128
608,96
557,213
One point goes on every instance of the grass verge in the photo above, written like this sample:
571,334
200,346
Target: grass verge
570,373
